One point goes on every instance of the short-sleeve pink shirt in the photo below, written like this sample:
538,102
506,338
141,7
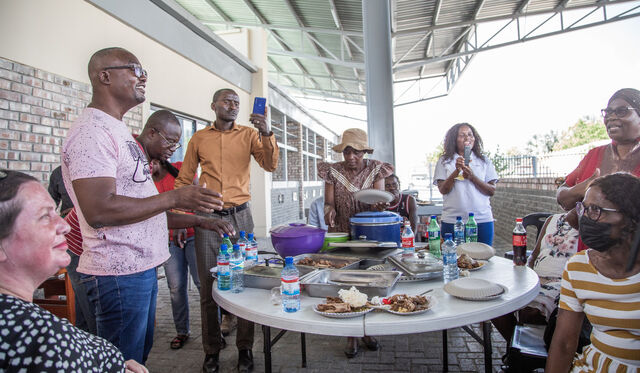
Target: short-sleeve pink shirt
99,145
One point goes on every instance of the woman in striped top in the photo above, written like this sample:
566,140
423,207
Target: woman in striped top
596,283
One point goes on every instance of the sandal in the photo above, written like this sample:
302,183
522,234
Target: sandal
179,341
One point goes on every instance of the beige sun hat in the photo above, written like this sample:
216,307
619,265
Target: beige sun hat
355,138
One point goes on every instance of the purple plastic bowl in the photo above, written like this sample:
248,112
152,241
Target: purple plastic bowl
295,239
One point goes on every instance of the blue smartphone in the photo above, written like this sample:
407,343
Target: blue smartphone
259,104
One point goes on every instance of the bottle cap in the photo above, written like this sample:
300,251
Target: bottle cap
447,236
236,247
288,260
433,216
225,235
250,236
223,247
518,220
242,233
471,214
458,217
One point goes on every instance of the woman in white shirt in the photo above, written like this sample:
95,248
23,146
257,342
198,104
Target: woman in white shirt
466,188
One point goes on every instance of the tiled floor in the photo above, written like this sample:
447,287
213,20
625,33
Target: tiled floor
405,353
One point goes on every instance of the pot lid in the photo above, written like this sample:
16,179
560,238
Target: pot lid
376,217
295,230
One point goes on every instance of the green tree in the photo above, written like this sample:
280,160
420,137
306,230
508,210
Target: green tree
499,160
435,155
584,131
541,144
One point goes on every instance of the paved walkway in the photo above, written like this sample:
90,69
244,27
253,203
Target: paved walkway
405,353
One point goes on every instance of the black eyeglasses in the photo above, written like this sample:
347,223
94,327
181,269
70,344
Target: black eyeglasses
172,145
620,112
138,71
593,211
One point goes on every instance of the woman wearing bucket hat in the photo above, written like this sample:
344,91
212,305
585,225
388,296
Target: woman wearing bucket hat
341,181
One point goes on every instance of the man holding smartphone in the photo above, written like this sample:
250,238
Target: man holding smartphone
224,150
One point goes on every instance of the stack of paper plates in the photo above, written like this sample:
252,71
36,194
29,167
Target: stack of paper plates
474,289
476,250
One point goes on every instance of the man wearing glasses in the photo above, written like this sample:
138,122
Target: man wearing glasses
122,217
224,151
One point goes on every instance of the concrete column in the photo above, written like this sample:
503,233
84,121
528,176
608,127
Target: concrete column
376,17
260,179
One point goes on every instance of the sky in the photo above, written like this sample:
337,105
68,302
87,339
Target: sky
510,94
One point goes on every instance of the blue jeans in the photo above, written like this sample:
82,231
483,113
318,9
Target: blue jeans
176,268
125,310
485,231
85,314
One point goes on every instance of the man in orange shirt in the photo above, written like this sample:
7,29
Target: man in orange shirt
224,150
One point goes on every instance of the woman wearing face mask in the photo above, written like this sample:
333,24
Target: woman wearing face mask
466,187
596,283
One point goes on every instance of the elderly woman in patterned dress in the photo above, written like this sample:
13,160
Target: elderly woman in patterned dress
341,181
32,248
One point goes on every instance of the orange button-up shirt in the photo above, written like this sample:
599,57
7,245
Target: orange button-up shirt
225,159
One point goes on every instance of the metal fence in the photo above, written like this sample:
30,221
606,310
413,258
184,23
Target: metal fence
543,165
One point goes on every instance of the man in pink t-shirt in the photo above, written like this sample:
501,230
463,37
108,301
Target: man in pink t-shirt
122,217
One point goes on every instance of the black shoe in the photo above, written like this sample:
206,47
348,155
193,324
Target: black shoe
245,361
352,347
371,343
210,364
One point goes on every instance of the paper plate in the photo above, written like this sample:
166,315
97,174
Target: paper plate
341,315
483,264
473,288
372,196
476,250
431,304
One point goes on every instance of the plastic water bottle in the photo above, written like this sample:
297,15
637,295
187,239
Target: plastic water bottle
243,243
252,251
408,240
224,277
434,237
458,231
471,229
227,241
237,270
449,259
290,285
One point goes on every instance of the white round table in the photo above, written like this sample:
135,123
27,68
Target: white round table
449,312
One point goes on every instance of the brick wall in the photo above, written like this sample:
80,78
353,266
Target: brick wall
515,198
36,110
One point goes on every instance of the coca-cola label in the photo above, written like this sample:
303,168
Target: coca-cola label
407,241
519,240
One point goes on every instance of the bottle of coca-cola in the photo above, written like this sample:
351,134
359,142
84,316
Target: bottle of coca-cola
519,244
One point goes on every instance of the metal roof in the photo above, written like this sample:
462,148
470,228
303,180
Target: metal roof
316,48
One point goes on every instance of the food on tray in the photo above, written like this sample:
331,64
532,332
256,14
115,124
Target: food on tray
467,262
347,301
321,263
406,303
353,297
